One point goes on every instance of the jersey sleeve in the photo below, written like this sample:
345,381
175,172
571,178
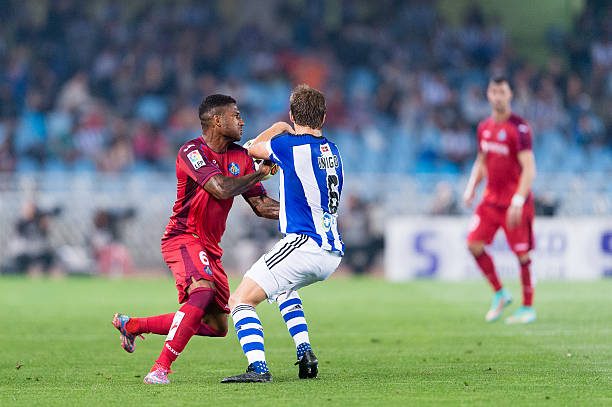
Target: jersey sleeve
257,189
280,147
195,164
524,137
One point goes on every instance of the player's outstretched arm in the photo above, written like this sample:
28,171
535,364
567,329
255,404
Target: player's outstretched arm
222,187
259,148
264,206
477,175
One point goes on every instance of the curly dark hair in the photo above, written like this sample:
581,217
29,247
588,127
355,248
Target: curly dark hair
209,105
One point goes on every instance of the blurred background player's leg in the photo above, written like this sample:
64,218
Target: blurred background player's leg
521,240
485,222
485,263
527,281
525,314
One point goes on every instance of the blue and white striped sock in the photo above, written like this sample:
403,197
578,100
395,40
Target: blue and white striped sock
250,335
292,310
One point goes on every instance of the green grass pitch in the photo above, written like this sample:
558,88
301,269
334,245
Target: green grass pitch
420,343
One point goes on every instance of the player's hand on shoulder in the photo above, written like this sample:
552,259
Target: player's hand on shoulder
282,127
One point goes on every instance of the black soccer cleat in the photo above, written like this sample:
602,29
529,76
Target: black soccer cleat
309,365
249,377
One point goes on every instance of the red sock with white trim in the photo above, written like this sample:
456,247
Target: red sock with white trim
485,262
528,283
160,325
185,324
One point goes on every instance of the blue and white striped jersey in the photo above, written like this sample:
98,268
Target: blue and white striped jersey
311,180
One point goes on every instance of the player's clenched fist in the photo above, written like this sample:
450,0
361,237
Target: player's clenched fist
267,167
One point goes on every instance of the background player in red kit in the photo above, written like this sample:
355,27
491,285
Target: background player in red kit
506,159
210,171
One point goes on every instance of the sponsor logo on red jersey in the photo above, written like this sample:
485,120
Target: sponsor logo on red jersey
493,147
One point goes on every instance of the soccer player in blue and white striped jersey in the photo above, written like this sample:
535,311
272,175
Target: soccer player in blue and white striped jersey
311,181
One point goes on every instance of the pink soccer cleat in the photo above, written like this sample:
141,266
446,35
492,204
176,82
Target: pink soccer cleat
158,375
127,339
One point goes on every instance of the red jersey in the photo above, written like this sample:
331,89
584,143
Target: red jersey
501,143
196,211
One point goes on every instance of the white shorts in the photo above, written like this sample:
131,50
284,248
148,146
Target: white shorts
294,262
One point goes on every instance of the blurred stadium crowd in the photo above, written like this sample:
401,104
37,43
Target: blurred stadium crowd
111,86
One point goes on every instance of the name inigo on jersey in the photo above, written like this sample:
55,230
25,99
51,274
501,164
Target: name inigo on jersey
328,162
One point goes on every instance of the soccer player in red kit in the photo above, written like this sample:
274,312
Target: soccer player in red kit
211,170
505,158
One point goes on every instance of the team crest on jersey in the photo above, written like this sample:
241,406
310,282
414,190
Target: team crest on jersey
501,136
324,148
196,159
208,270
234,169
327,221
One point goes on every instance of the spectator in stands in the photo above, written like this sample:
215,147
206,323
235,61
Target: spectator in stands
444,201
112,256
85,65
31,251
362,246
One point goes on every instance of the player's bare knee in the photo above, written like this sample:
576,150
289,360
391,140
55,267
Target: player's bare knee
476,248
240,299
233,301
523,258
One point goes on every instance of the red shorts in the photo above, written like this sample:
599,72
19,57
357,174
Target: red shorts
488,218
188,257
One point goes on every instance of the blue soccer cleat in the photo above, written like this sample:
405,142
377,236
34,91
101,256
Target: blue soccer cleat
523,315
501,299
127,339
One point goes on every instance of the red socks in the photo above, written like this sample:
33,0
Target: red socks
160,325
528,284
185,324
488,269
